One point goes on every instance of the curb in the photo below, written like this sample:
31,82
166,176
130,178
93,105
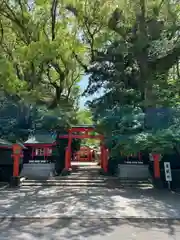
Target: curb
174,192
4,186
22,179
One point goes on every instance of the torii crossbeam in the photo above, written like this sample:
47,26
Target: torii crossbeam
85,129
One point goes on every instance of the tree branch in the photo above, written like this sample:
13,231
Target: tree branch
72,83
2,31
163,64
21,7
177,68
12,16
54,84
85,67
53,18
57,68
72,9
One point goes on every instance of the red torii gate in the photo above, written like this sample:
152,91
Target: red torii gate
84,154
86,130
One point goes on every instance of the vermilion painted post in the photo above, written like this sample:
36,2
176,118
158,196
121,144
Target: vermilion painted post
16,155
16,166
44,153
69,149
67,159
79,156
105,160
90,156
102,157
156,158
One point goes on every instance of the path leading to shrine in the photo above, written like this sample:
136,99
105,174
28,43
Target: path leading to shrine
50,202
89,229
88,213
85,212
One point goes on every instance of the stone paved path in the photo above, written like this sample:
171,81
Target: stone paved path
89,229
84,202
88,213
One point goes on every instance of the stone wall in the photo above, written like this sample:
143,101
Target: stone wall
37,170
130,171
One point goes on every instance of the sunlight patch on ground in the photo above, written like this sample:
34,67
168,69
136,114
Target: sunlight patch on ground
89,202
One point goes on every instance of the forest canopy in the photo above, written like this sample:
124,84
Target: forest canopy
129,49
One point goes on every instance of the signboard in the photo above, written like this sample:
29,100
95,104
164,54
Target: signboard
133,162
151,157
167,169
38,161
133,159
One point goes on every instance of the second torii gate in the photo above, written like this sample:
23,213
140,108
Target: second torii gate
72,134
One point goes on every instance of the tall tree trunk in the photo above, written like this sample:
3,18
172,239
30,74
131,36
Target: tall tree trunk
145,83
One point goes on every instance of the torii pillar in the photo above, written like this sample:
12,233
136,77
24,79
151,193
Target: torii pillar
68,153
157,173
104,158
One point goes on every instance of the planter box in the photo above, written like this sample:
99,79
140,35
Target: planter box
133,171
37,170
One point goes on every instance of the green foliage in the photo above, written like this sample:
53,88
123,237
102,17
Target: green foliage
84,116
18,118
37,52
125,132
133,71
130,49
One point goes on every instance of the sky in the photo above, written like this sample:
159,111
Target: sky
83,85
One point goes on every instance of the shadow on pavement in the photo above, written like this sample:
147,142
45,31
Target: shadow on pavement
84,213
77,228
